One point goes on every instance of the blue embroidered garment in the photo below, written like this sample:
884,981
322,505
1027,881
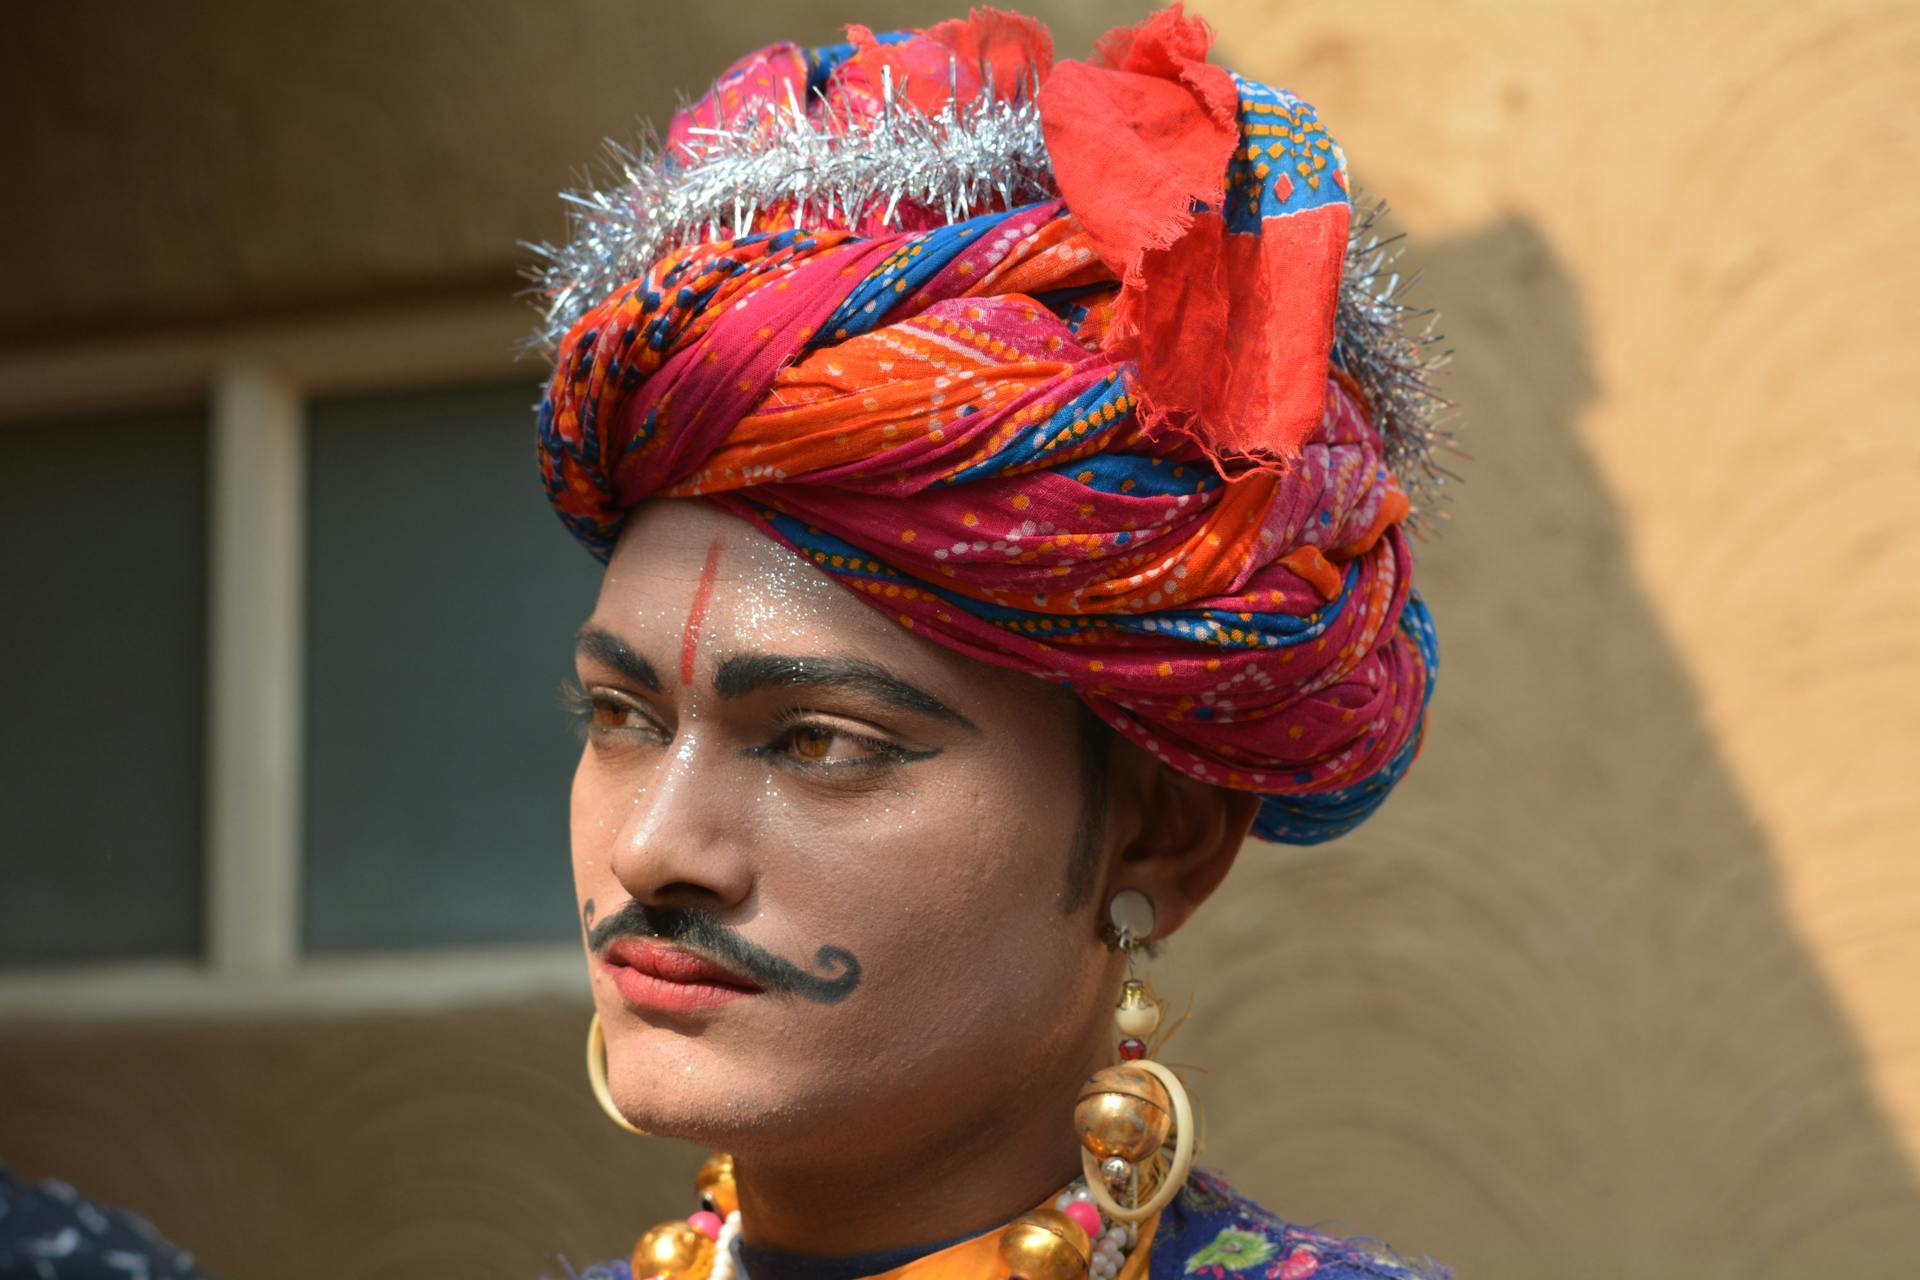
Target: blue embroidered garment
1210,1231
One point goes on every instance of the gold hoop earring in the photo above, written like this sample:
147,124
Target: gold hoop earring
597,1076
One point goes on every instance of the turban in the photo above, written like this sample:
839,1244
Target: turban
1050,363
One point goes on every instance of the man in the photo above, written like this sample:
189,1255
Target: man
1002,490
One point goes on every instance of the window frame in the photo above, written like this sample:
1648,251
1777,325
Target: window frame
258,384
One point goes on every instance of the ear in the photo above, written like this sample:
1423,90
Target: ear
1188,836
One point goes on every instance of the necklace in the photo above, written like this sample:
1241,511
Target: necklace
1072,1240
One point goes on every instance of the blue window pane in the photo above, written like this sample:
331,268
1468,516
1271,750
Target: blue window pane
443,597
102,562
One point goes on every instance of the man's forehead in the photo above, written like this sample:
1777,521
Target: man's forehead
676,554
668,541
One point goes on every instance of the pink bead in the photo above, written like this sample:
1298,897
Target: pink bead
1087,1216
707,1224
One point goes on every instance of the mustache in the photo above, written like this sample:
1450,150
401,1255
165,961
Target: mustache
836,971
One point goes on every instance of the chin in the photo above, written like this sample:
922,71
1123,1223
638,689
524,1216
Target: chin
680,1085
741,1124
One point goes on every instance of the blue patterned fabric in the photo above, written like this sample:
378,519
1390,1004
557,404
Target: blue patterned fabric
49,1232
1211,1232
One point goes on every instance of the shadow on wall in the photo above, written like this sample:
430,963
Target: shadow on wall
1548,1014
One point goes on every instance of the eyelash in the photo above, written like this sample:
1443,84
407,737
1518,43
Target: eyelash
581,705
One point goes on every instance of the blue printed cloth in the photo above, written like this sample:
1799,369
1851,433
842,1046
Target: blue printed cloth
48,1231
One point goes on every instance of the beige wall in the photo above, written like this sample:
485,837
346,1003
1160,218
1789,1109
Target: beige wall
1623,982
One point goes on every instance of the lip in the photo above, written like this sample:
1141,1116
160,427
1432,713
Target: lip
658,977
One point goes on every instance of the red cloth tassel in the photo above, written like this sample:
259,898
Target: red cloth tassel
1230,331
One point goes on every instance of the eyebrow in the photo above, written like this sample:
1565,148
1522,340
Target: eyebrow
610,650
750,672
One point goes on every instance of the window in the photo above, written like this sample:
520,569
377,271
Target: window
281,671
442,599
102,557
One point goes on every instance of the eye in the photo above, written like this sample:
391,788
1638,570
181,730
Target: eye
822,744
600,711
610,714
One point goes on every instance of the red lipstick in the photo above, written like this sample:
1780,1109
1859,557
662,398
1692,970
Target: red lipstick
655,976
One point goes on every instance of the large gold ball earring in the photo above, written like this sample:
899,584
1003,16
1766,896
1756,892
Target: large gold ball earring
597,1076
1124,1111
1178,1167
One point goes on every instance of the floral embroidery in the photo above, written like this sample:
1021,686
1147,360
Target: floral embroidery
1298,1265
1234,1249
1245,1242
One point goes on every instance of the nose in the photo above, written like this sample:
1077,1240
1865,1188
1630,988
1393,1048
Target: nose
675,845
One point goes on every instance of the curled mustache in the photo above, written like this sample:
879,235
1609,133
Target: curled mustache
701,932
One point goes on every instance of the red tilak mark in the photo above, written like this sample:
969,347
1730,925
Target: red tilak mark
697,611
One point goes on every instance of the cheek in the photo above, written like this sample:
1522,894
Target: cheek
958,899
593,823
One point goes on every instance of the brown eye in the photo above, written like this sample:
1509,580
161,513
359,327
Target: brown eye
611,713
811,742
823,746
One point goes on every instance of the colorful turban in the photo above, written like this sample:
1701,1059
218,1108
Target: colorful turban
1080,411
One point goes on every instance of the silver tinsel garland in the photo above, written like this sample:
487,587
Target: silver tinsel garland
1392,351
957,162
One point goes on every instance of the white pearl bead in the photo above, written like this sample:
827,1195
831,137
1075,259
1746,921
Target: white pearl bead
1084,1195
1138,1023
1061,1202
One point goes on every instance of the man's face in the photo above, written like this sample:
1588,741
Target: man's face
822,864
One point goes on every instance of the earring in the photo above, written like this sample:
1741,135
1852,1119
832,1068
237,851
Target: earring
597,1076
1128,1113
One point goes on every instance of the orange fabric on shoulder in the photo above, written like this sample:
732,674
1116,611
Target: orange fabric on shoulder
980,1256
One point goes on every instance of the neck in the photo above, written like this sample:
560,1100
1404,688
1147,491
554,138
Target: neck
946,1183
